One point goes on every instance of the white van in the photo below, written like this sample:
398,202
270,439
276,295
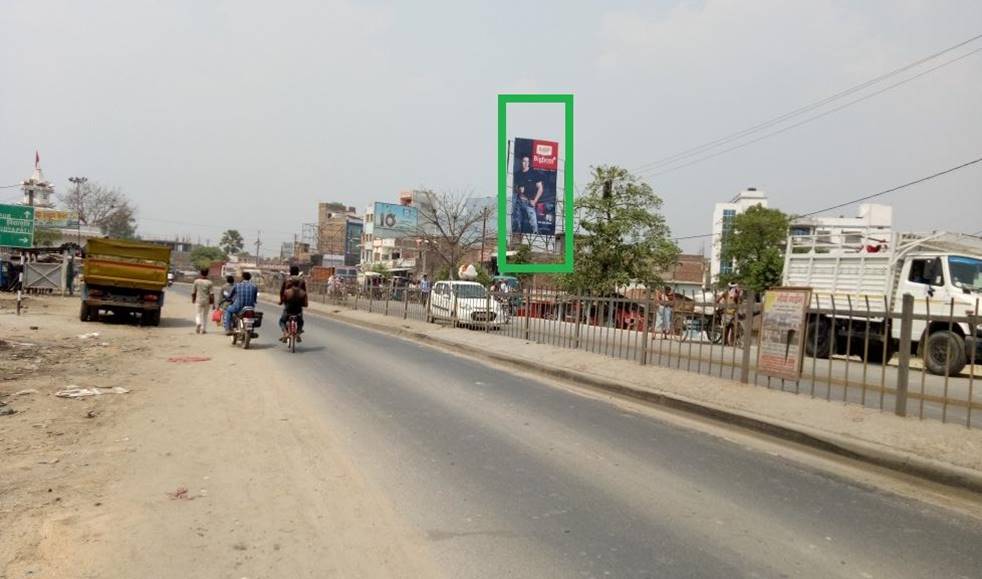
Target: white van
464,303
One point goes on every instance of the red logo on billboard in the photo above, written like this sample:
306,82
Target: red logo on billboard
545,155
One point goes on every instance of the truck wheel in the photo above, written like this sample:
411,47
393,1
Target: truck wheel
821,346
875,353
83,313
944,352
154,318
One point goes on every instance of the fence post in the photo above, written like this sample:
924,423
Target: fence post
748,331
405,304
487,311
646,333
388,294
579,315
528,308
903,366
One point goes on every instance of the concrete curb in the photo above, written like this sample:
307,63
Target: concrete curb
872,453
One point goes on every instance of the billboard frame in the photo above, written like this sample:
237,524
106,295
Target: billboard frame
567,265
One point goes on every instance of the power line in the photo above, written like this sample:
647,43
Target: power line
812,118
864,198
801,110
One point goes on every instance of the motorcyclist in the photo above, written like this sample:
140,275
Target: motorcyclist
295,302
243,295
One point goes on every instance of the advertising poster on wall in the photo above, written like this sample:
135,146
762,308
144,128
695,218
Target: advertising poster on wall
394,221
782,332
534,171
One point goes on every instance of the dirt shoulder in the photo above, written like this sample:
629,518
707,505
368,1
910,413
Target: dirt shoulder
214,468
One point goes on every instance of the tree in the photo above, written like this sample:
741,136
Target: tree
121,223
46,237
755,246
203,256
231,242
104,207
449,227
621,236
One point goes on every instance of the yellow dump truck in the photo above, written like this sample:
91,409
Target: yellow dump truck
125,278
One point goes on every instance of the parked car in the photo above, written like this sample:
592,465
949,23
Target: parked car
464,303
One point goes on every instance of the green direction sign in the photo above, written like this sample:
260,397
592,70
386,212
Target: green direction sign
16,226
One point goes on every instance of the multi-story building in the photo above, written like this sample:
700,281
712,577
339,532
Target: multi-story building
723,216
872,226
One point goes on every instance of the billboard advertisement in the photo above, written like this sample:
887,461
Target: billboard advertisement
782,334
534,171
393,220
352,243
54,218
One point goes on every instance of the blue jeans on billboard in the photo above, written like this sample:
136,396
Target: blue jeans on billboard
524,215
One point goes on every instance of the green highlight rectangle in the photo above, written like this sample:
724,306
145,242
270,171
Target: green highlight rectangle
567,265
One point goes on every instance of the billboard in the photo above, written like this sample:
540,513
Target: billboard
54,218
393,220
782,332
352,243
534,170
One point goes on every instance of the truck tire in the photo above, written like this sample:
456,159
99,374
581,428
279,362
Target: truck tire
944,353
153,318
875,353
83,313
821,346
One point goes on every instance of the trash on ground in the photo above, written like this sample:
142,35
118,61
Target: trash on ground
181,494
34,327
91,414
25,391
188,359
76,392
7,411
88,336
52,461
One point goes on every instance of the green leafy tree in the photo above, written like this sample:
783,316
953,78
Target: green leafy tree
121,223
622,237
203,256
231,242
46,237
381,270
756,248
523,254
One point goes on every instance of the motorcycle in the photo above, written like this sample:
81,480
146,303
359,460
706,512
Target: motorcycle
244,324
170,279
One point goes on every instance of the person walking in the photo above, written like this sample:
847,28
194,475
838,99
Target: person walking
667,305
424,289
204,300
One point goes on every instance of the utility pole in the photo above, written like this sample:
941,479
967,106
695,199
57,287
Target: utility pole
78,182
258,245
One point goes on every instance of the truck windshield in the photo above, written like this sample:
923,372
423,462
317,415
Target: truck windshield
470,291
966,272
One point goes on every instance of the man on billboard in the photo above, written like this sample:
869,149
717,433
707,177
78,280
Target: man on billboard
528,190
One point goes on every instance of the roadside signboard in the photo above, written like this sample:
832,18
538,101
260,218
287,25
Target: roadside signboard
394,221
782,332
16,226
54,218
534,186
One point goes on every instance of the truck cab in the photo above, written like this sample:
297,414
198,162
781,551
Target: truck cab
945,286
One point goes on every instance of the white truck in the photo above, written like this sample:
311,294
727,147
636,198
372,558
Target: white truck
856,268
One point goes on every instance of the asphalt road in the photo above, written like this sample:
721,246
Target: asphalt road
509,476
820,378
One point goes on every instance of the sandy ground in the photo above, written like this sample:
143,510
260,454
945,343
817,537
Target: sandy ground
217,468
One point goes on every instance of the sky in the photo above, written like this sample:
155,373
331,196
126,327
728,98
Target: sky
243,114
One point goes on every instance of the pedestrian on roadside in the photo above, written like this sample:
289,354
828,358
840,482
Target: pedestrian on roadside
424,289
204,301
665,308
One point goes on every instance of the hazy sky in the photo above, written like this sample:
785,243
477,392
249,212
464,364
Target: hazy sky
246,114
